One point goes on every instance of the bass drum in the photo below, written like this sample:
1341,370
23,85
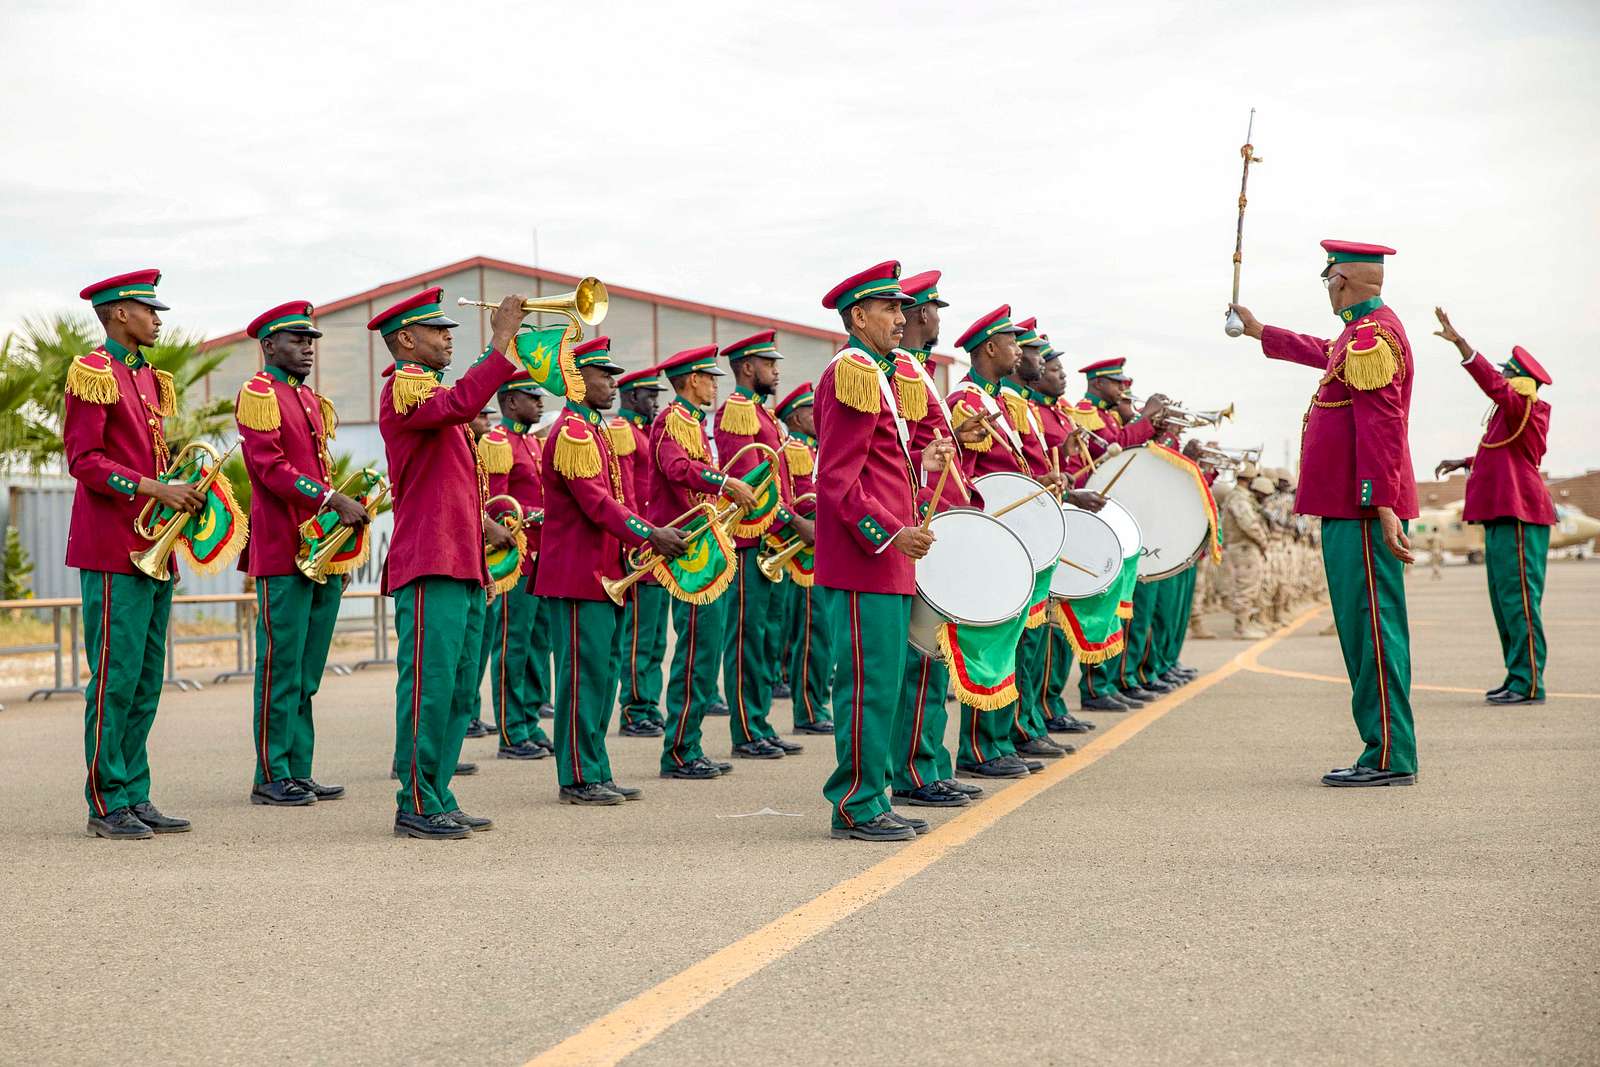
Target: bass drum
1090,560
1165,502
977,572
1039,523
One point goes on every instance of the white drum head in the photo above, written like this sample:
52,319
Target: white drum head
1165,501
1038,522
1094,547
977,572
1127,527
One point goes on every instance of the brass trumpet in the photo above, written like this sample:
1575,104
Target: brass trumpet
771,563
584,306
314,565
1231,458
1180,416
155,560
642,562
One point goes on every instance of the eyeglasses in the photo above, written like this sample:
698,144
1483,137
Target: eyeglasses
1327,281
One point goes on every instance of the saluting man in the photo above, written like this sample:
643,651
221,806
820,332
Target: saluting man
1507,495
642,641
285,427
512,457
112,433
684,476
1355,472
810,647
435,569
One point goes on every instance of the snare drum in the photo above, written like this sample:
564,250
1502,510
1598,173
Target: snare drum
977,572
1127,527
1165,501
1090,560
1039,523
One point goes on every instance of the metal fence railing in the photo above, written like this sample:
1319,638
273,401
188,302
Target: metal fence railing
70,667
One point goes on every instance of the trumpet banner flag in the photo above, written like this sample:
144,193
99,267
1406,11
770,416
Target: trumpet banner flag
547,357
315,531
214,536
983,659
758,520
707,568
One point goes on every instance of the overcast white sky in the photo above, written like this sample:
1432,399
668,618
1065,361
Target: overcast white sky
1078,161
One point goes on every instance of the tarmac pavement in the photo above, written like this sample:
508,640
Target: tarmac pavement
1191,894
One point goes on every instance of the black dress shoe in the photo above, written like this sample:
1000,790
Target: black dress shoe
320,791
789,747
757,750
119,824
1174,679
781,691
1501,688
1068,724
641,729
1108,703
1508,696
918,826
1367,776
717,707
1156,685
626,792
477,728
522,750
475,823
932,796
1032,766
591,795
544,743
1141,694
284,793
547,711
995,768
694,771
883,828
466,768
721,766
1043,748
821,726
162,824
439,827
963,788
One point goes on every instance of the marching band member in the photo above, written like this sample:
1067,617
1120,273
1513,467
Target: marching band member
811,649
285,427
435,569
112,434
512,457
1355,472
473,695
587,525
1506,494
642,641
683,476
750,668
868,542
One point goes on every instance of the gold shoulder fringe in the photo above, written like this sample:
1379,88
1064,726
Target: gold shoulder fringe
330,417
911,394
1370,368
960,413
166,393
411,388
92,385
1017,413
1524,386
799,458
977,701
494,451
1089,420
856,384
257,406
622,442
576,457
686,431
738,417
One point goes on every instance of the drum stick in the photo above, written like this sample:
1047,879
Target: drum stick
1076,566
1015,504
938,489
1120,471
1055,468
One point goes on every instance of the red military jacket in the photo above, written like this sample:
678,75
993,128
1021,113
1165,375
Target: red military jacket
867,486
112,436
1504,481
682,474
938,422
630,436
439,485
1009,450
799,466
586,521
284,426
1354,452
1055,422
511,457
744,420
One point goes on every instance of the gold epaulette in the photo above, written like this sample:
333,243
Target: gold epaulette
798,457
738,417
257,406
960,413
577,453
91,380
494,451
685,429
622,441
910,393
1087,416
330,417
1371,359
855,382
1017,412
166,393
412,386
1524,387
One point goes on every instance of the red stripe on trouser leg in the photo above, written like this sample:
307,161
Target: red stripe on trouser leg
688,684
572,705
100,693
802,684
1374,610
738,659
500,675
416,702
857,696
266,681
916,721
1527,614
633,648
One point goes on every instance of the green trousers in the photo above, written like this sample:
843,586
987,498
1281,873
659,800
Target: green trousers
1170,622
439,625
125,637
698,643
1515,553
513,617
1366,589
1131,668
294,627
788,632
641,648
750,669
1057,671
541,661
872,629
779,617
1027,712
1099,679
917,746
585,686
486,639
811,656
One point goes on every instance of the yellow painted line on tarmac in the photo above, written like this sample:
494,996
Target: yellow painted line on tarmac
636,1022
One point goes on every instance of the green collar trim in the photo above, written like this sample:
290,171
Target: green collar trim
1366,307
748,394
803,438
885,363
589,414
514,426
634,417
1009,386
282,375
689,409
1098,401
1042,399
132,357
992,388
921,355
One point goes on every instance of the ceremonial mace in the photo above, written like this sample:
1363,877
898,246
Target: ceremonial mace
1235,326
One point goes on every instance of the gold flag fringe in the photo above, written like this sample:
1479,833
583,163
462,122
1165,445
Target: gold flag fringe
236,540
719,584
509,582
1089,656
977,701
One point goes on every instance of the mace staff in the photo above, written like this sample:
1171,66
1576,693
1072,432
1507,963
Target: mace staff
1234,325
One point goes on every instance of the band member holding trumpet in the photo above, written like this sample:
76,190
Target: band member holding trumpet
642,642
809,645
285,427
435,569
684,477
115,449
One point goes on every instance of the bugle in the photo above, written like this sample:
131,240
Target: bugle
584,306
642,561
732,515
775,558
317,551
1181,416
155,560
1230,458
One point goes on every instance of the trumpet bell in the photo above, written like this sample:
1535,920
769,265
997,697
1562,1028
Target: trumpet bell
588,303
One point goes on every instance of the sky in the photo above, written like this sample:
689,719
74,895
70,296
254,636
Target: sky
1078,161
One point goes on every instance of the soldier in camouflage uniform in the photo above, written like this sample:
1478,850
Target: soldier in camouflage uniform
1247,538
